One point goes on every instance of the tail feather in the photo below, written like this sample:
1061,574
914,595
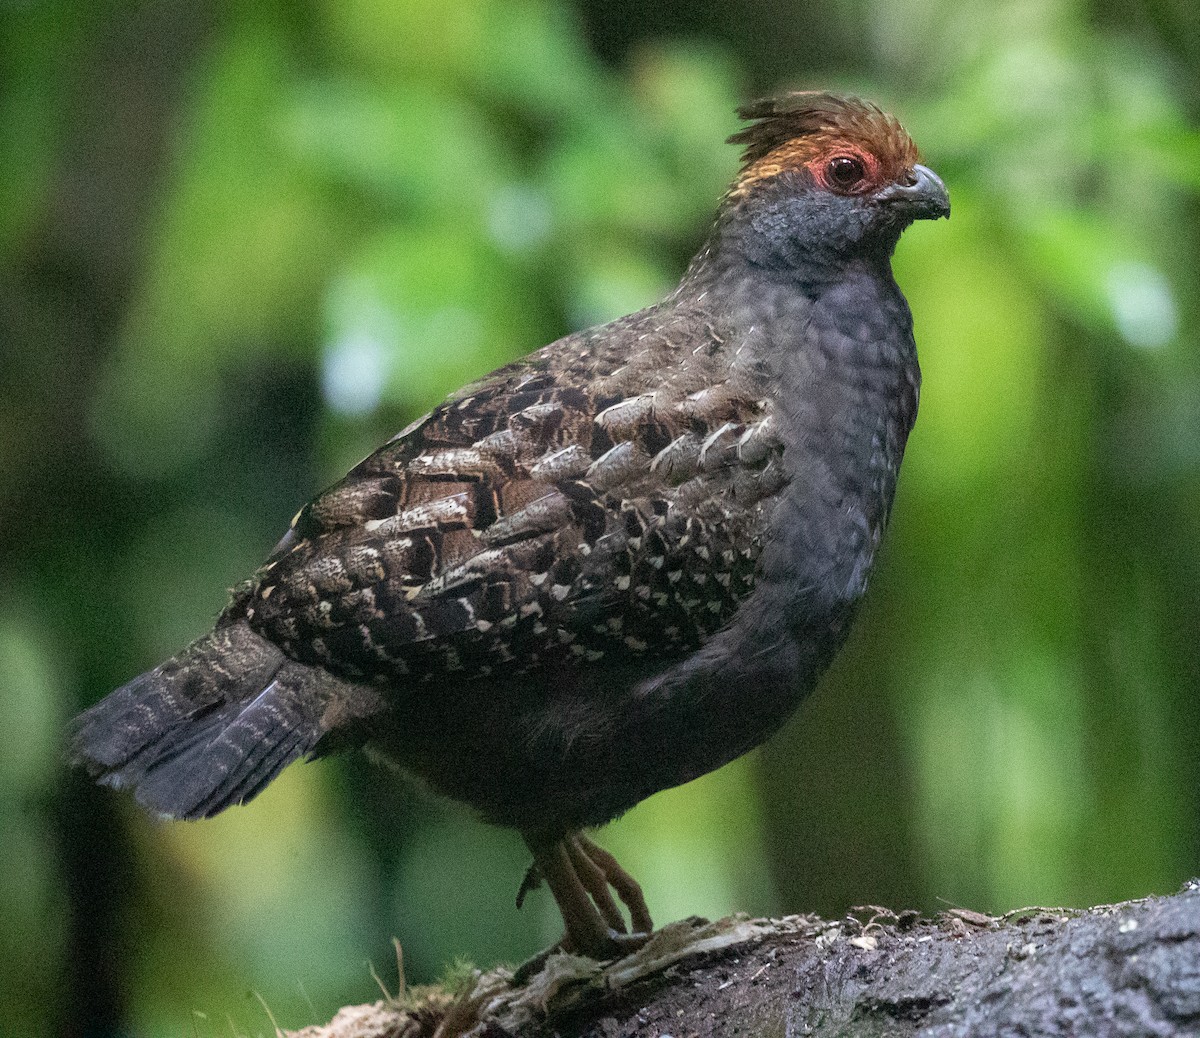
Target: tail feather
252,781
215,724
249,751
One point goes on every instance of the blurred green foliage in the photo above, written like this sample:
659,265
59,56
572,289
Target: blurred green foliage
240,246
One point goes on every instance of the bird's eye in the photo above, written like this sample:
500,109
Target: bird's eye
845,171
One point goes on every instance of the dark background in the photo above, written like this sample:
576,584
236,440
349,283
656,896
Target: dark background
242,244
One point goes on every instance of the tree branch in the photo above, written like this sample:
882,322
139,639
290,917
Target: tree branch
1116,970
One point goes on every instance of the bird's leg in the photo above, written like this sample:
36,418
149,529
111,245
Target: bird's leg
595,883
627,888
586,930
589,932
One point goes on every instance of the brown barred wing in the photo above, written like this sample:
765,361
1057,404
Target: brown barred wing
529,524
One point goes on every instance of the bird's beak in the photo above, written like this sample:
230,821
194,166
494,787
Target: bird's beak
926,198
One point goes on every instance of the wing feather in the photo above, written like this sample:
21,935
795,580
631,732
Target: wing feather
541,517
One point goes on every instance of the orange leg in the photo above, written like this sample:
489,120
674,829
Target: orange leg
579,874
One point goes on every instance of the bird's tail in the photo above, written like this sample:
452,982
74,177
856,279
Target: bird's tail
213,725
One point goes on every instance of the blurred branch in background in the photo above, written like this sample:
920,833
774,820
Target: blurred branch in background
241,246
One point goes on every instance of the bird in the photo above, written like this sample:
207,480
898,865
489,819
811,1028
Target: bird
602,570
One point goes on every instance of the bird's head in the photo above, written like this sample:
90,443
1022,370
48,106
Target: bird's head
825,177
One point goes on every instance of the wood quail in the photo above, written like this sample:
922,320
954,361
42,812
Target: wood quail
598,572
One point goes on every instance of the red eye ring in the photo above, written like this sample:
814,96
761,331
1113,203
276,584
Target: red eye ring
845,172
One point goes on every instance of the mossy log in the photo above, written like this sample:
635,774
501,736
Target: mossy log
1115,970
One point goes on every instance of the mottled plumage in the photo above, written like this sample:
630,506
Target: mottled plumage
600,571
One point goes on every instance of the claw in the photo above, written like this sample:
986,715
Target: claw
531,881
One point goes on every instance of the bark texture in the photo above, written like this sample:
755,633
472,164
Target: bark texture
1115,970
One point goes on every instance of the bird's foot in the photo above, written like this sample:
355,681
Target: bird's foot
614,945
617,946
579,874
628,889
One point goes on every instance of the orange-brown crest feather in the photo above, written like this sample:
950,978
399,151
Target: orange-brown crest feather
790,131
